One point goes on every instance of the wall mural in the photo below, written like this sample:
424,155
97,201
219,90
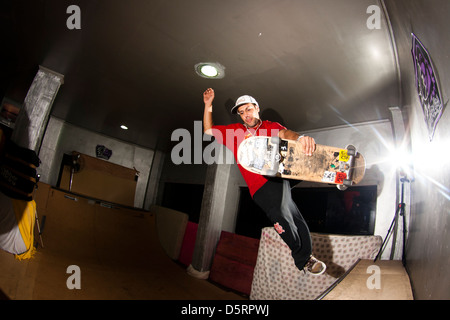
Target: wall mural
427,84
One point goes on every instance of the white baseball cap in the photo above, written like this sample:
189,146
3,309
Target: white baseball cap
243,100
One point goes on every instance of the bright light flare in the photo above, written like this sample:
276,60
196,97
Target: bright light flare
209,71
402,160
398,157
423,166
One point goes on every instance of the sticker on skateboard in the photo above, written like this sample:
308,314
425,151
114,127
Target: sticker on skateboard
272,156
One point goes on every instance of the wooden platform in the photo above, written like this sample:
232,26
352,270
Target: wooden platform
116,249
381,280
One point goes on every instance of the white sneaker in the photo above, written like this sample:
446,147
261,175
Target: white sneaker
315,266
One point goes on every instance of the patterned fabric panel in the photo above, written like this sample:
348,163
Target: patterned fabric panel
277,278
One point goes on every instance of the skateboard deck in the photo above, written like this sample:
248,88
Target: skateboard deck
272,156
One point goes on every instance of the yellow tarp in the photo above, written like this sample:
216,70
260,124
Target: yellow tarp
25,212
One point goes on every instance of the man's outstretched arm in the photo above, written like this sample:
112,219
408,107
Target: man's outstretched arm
208,97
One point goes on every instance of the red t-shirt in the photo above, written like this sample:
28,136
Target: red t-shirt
232,135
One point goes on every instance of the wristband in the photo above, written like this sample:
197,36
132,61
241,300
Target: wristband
299,137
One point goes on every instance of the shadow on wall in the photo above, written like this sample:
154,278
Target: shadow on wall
376,175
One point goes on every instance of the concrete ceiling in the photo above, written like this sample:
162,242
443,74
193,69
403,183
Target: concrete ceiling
309,63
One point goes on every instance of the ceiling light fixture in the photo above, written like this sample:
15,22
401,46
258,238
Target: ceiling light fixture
124,127
210,70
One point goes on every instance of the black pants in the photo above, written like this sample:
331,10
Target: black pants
275,200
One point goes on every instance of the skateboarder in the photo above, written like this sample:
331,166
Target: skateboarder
272,195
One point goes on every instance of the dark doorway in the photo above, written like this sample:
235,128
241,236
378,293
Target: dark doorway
326,210
183,197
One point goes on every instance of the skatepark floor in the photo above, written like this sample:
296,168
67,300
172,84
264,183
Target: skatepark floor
116,249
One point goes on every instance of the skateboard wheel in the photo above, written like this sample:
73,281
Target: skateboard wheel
351,150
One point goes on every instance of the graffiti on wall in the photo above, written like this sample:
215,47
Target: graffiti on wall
427,85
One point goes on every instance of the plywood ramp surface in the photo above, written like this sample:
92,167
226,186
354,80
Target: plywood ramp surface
381,280
117,251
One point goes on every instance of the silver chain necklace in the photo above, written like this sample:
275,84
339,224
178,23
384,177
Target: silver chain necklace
248,129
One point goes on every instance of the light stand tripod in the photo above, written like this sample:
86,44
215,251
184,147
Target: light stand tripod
400,211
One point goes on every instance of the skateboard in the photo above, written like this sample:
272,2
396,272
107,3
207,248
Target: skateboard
275,157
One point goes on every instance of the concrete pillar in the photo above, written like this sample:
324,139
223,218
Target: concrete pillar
156,168
32,120
211,219
49,153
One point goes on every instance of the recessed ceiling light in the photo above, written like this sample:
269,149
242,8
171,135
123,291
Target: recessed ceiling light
124,127
210,70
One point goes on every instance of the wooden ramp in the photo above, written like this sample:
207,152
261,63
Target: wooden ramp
368,280
116,249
